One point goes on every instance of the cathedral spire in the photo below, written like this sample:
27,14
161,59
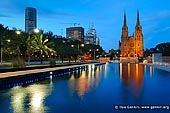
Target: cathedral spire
138,20
124,24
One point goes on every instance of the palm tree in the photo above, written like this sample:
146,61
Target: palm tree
41,45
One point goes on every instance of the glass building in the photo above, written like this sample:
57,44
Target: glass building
30,19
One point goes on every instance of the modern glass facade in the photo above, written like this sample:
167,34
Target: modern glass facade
30,19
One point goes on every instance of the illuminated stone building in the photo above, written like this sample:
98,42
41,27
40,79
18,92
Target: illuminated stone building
131,46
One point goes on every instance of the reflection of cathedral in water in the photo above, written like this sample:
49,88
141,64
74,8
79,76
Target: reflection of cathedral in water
131,76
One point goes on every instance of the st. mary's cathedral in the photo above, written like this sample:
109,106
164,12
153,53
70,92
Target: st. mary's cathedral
131,46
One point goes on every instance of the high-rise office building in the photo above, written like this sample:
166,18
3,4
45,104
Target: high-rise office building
91,34
89,39
75,33
30,19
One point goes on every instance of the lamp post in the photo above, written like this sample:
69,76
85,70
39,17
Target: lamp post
18,33
36,30
94,53
78,47
63,51
1,49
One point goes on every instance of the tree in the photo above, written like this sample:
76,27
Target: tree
147,52
40,44
164,48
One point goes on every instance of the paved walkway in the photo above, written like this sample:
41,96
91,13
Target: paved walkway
159,66
20,73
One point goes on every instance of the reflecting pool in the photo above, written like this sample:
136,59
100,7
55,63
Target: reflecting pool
96,90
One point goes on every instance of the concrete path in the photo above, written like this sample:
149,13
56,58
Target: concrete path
20,73
162,67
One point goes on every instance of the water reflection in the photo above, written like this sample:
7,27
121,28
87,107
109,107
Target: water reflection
29,99
151,70
86,81
132,76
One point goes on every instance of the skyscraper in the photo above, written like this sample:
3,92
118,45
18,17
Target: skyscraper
75,33
91,36
30,19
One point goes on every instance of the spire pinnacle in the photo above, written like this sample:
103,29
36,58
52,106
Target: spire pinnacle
138,20
124,24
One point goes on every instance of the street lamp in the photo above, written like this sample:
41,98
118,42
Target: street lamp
63,50
36,30
72,45
18,33
94,53
78,47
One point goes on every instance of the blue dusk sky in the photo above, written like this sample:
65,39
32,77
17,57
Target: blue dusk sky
106,15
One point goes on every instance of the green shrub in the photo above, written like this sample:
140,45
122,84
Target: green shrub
52,61
20,63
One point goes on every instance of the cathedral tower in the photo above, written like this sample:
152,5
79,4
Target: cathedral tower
124,36
124,29
138,37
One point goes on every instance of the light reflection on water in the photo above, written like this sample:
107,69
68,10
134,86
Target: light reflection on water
29,98
80,92
87,81
131,76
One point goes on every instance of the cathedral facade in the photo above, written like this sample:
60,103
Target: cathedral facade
131,46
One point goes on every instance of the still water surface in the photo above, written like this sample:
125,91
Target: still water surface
96,90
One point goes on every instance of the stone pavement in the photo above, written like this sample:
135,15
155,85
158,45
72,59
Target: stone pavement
25,72
162,66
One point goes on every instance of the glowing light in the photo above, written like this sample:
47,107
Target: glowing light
128,69
51,77
93,66
120,71
151,70
36,30
72,45
137,70
18,32
82,45
72,77
17,101
37,100
8,40
89,67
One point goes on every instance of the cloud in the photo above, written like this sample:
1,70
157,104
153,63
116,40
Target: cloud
51,12
5,16
147,40
162,29
157,16
164,14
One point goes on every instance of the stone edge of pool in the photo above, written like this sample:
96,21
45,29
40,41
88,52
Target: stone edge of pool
161,67
33,71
